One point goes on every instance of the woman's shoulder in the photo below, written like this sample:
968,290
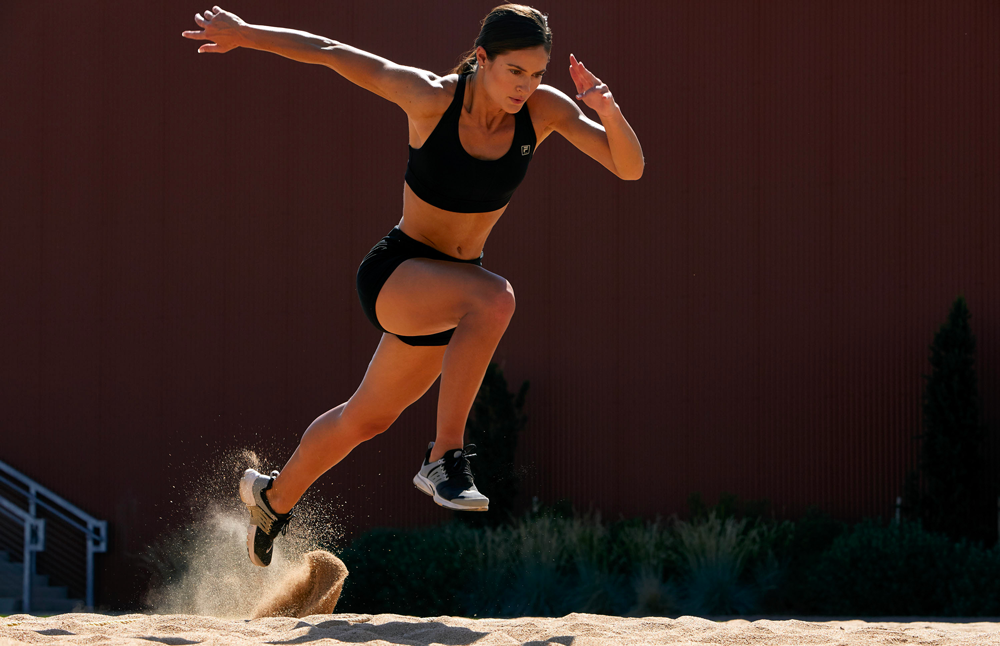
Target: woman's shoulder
548,104
430,93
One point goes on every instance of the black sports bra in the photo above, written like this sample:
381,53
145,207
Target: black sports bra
444,175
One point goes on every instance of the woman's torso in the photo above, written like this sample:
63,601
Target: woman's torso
462,235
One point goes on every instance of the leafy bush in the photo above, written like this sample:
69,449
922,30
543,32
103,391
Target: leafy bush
409,572
540,566
728,566
902,569
974,582
552,564
803,547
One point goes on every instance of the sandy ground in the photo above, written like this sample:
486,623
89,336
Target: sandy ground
574,629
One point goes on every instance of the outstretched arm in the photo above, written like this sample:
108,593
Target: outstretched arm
408,87
611,142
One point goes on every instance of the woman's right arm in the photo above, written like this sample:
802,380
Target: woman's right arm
413,89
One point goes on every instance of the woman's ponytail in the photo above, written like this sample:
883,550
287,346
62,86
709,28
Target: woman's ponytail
467,65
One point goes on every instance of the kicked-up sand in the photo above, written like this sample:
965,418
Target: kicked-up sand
390,630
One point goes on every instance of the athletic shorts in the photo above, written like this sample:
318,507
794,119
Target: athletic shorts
390,252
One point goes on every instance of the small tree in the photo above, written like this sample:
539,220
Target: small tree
952,498
496,419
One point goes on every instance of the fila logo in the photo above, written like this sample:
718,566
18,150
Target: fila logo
526,149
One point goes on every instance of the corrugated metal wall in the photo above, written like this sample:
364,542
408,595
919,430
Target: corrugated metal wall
179,236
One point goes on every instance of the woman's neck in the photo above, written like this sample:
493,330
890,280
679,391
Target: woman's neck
480,106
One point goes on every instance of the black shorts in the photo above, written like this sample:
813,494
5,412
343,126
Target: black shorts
390,252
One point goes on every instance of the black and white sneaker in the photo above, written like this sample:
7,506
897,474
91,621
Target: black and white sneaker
449,481
265,523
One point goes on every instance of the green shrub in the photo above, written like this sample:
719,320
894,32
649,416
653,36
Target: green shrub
728,565
550,565
802,549
409,572
974,582
902,569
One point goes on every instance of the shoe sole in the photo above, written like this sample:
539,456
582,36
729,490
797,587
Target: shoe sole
424,486
246,495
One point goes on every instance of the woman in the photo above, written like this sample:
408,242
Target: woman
472,135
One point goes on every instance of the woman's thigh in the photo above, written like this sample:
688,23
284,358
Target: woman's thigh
398,375
424,296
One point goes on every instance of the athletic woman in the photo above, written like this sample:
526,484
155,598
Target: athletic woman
472,135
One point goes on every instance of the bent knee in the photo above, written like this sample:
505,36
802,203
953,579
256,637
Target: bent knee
498,300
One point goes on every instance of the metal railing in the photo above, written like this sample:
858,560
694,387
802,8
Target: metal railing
34,541
36,500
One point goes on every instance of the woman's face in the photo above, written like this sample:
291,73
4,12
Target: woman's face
512,77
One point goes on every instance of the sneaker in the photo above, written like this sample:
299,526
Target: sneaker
265,523
449,481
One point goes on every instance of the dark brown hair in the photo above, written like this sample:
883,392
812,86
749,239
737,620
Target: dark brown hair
507,28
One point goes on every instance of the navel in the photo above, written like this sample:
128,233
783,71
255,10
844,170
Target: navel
459,251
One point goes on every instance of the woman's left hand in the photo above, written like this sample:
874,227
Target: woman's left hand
590,89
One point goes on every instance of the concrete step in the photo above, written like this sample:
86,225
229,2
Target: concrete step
56,606
45,598
12,587
8,567
56,593
12,605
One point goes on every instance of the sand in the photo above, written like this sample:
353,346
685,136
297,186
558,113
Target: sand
313,588
388,630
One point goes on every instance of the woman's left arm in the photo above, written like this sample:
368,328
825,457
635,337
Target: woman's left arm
612,142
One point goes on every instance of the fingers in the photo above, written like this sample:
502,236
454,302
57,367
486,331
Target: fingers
587,76
197,35
209,15
213,48
581,70
203,22
583,78
575,75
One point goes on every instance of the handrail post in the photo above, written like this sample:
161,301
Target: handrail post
28,561
90,570
34,542
32,507
97,528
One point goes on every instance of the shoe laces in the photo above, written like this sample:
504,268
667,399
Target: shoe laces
458,466
271,521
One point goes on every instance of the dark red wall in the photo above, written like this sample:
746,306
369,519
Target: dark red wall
179,236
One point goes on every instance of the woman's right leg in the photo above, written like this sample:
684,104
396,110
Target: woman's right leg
426,296
397,376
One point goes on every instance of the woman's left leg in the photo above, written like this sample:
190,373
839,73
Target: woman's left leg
397,376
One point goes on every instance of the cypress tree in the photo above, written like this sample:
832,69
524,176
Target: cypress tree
952,499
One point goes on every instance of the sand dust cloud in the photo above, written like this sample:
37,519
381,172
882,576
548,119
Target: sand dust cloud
203,568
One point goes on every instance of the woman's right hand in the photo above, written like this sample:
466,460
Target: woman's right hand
220,27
